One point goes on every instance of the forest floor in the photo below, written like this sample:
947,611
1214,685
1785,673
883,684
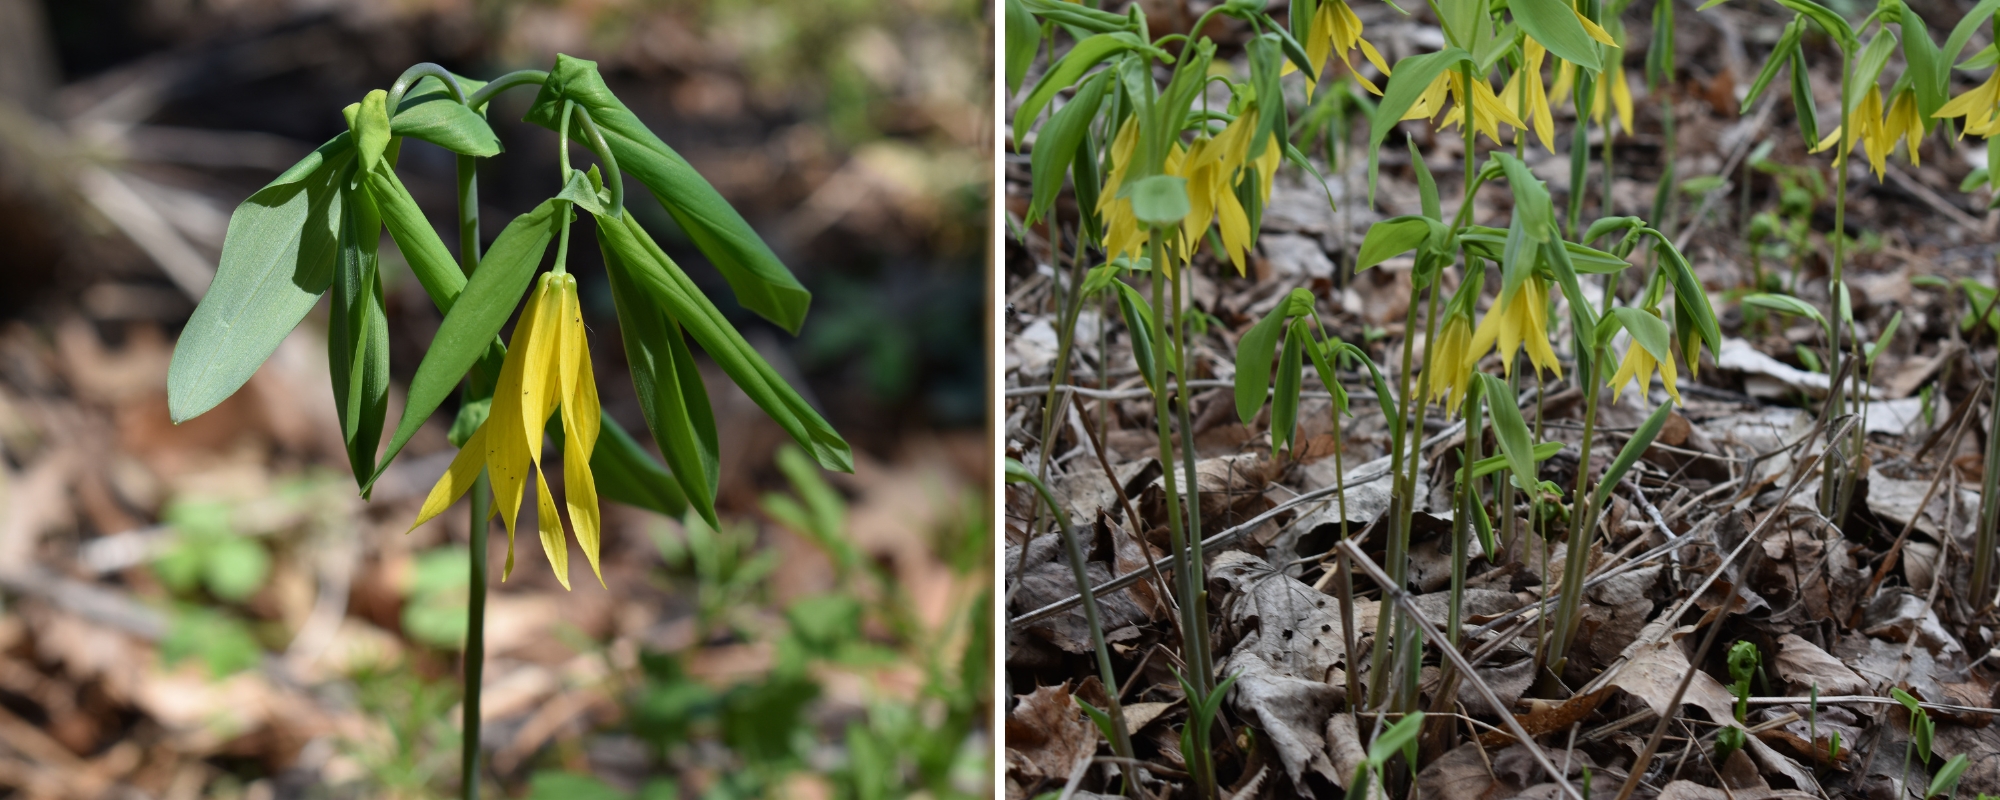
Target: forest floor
1850,611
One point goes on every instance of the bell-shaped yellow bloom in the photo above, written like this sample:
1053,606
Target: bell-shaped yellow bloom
1213,169
1535,106
1904,122
1488,113
1980,107
1611,91
1870,133
547,369
1452,378
1336,30
1639,364
1521,320
1122,234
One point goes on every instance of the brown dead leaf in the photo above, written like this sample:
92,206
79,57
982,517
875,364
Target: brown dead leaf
1689,790
1803,665
1653,674
1048,735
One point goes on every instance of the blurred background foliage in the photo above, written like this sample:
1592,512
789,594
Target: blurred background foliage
208,611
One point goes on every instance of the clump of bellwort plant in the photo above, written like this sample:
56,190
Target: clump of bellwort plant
1169,152
524,400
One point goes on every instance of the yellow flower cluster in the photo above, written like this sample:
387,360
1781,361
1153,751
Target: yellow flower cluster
547,369
1980,107
1212,167
1639,364
1335,29
1514,322
1488,113
1876,132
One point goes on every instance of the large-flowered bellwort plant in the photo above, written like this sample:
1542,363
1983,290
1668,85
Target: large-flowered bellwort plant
1171,146
315,231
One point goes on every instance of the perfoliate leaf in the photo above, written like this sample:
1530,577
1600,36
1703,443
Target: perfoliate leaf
1647,330
277,259
429,112
671,394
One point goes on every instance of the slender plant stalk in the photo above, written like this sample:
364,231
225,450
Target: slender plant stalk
482,498
1834,477
1176,535
1583,521
1398,551
1196,567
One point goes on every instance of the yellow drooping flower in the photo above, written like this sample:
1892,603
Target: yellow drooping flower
1452,378
1488,113
1612,82
1536,108
1335,29
1875,132
1639,364
1213,167
1980,107
1122,234
547,369
1513,322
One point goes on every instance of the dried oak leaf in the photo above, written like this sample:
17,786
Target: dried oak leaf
1803,665
1048,735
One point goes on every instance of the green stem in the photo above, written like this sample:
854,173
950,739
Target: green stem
1833,476
416,73
475,638
1196,566
510,80
1582,521
1397,555
1193,639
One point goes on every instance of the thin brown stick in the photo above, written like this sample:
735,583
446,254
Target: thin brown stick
1429,630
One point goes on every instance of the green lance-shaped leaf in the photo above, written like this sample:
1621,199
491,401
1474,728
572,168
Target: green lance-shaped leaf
1498,461
1427,187
1947,776
1384,399
669,386
475,318
1395,236
1781,54
1300,20
627,474
1867,69
1962,33
1785,304
1634,448
1516,443
1394,740
1267,58
357,338
430,113
430,261
277,259
1411,77
1285,394
760,281
663,283
1139,324
1554,24
1253,355
1926,67
1066,71
1531,199
1063,12
1058,143
1024,38
1804,108
1582,319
